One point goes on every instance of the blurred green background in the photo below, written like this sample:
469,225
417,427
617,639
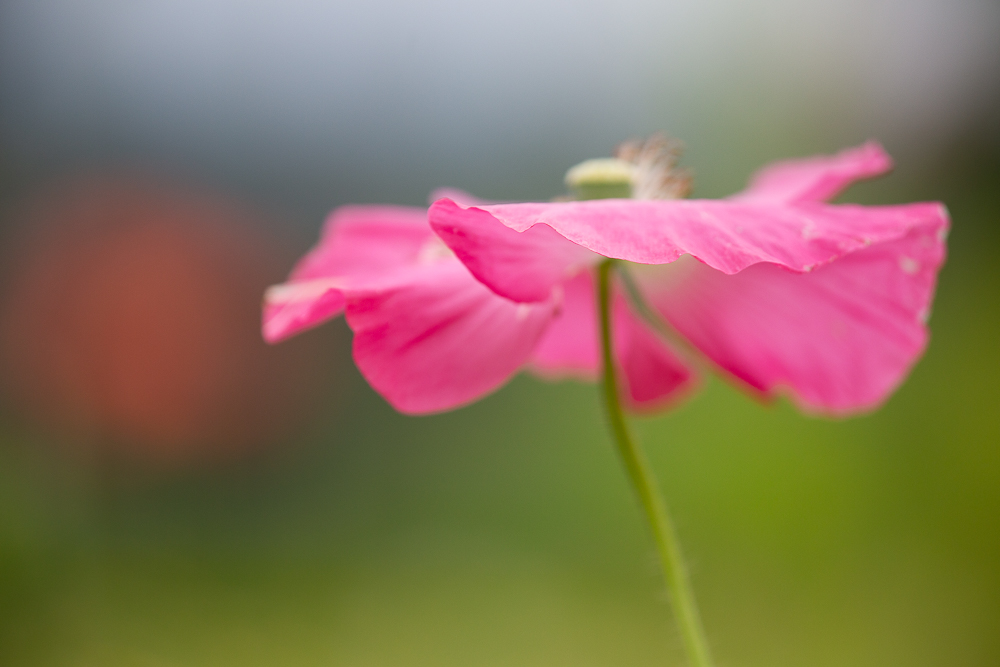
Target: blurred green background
212,501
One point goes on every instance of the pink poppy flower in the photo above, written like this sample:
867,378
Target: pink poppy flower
780,290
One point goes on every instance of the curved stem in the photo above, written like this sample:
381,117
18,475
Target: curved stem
674,570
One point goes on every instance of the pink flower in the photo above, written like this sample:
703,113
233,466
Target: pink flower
776,287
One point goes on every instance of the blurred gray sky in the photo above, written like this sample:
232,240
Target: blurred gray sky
388,98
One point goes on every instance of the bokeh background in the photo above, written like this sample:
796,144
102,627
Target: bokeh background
173,492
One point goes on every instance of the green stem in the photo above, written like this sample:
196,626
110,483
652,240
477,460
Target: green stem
674,570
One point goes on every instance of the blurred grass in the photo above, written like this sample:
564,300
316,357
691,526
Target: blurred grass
505,534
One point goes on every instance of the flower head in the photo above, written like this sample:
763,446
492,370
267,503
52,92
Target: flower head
775,286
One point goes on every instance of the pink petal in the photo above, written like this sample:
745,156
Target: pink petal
440,339
652,374
818,178
358,243
365,241
522,264
841,337
570,346
522,251
290,308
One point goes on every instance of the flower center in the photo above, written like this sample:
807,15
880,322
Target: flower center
641,169
604,178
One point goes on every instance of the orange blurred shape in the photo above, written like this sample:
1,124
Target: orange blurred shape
130,322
